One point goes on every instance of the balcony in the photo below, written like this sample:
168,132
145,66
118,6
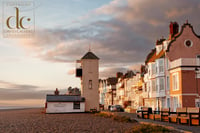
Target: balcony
78,69
183,62
79,72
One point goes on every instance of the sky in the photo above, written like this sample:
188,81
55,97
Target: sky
121,33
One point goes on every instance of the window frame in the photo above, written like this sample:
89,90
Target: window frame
90,84
76,105
162,85
167,83
153,85
175,81
161,65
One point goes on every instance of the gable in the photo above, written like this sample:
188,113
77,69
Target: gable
186,44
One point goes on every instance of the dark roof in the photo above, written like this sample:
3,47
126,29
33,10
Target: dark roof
112,81
150,55
159,42
90,55
64,98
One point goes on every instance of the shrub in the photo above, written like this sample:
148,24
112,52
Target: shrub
104,114
148,128
121,118
115,117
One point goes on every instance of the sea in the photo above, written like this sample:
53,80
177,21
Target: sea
15,107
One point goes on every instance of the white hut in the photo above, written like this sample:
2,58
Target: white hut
64,104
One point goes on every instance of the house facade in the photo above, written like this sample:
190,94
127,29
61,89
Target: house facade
183,53
171,76
172,70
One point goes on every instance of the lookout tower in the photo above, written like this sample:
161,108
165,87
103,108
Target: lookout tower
88,70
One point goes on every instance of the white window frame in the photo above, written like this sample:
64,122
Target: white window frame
175,106
175,81
167,63
157,84
153,85
163,102
162,80
161,65
153,68
167,82
168,102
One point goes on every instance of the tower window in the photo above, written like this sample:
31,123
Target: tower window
90,84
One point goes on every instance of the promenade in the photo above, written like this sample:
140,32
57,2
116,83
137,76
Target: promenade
184,128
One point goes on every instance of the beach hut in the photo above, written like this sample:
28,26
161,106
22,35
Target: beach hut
64,103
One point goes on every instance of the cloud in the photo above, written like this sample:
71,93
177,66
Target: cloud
111,71
135,67
16,86
127,34
112,8
13,91
71,72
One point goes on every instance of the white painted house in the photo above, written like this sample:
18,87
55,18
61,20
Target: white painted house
64,104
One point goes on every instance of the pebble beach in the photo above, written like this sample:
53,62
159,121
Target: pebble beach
36,121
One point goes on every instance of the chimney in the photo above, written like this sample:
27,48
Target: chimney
174,28
56,92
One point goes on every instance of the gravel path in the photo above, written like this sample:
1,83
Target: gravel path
34,121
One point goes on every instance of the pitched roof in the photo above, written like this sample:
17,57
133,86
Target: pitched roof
159,42
152,56
90,55
64,98
112,81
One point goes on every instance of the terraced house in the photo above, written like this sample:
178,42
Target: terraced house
172,70
171,75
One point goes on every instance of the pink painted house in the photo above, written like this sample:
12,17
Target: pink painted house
172,77
183,53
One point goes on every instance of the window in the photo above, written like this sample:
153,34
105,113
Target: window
157,85
76,105
90,84
175,81
188,43
161,83
163,102
167,64
153,85
161,66
153,69
175,102
145,87
168,83
168,102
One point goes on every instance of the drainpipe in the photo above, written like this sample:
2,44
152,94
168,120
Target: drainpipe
196,72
